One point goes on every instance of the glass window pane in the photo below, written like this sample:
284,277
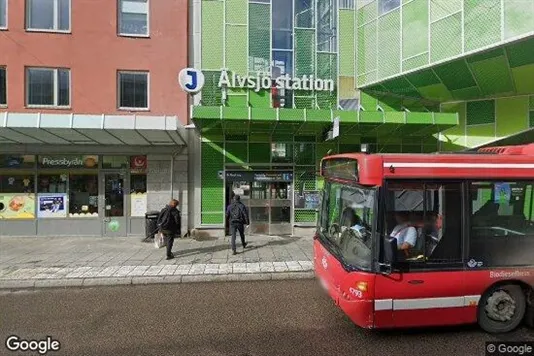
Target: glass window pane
64,15
64,87
282,152
133,90
16,182
83,195
52,182
502,232
304,13
282,24
138,183
327,25
114,194
282,63
3,86
387,5
3,13
40,87
41,14
134,17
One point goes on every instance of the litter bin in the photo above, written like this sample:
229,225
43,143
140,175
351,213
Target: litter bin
151,224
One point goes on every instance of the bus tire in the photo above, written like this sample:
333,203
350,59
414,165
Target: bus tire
502,308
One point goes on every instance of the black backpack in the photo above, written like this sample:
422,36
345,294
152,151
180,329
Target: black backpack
235,212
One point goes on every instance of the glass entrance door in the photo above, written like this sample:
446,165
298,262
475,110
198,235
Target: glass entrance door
270,208
114,209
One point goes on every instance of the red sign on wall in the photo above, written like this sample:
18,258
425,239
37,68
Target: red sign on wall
138,163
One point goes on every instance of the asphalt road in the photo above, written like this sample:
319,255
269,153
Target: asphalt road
216,319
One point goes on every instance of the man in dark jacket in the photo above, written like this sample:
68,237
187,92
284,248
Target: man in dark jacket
170,224
237,217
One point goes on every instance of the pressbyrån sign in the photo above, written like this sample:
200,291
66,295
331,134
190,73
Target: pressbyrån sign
259,82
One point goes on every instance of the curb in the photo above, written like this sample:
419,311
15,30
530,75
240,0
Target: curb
17,284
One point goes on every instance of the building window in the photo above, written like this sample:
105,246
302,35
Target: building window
3,14
133,90
3,86
133,17
387,5
48,15
48,87
346,4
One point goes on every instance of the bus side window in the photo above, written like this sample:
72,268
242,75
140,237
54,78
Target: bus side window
502,229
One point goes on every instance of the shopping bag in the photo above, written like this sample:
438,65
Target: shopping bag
159,240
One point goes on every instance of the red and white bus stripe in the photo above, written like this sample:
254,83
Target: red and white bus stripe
426,303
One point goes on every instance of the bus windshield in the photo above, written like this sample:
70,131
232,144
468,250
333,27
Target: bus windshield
347,220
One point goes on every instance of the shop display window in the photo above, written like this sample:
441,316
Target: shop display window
17,198
83,195
138,195
17,161
52,183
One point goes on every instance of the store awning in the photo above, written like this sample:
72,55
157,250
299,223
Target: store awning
261,121
75,129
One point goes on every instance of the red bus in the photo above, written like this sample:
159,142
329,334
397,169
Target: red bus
410,240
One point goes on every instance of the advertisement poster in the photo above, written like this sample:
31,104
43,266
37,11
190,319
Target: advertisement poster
52,206
17,206
138,204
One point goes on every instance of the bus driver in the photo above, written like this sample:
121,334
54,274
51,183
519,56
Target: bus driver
405,234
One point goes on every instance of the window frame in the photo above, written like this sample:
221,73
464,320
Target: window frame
55,19
426,266
125,108
4,105
55,105
119,19
6,16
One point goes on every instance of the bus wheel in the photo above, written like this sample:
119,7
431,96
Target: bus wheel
502,308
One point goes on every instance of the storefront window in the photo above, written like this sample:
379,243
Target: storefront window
52,183
83,192
115,162
17,200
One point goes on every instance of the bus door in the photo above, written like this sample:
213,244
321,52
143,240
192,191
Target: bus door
427,283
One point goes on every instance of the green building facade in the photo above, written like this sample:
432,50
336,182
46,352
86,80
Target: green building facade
398,76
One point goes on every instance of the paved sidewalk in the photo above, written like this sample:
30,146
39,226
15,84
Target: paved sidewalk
83,261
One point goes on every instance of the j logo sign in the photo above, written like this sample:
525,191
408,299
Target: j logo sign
191,80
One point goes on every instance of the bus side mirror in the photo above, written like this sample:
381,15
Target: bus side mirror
390,255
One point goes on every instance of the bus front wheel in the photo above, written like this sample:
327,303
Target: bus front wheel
502,308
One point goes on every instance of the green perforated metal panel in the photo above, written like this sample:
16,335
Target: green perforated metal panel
211,93
304,153
346,42
236,51
305,216
304,52
327,69
367,13
414,28
482,23
259,152
480,112
389,49
446,38
367,49
236,152
518,17
442,8
236,11
259,37
531,118
212,35
211,185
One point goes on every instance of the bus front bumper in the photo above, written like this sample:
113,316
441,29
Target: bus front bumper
359,311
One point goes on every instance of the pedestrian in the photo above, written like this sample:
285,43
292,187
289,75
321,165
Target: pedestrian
238,217
170,224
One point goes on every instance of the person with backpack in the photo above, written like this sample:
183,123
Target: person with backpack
170,224
237,217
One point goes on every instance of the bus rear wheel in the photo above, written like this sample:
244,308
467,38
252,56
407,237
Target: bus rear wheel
502,308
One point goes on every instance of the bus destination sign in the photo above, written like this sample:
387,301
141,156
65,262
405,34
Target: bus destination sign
340,168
